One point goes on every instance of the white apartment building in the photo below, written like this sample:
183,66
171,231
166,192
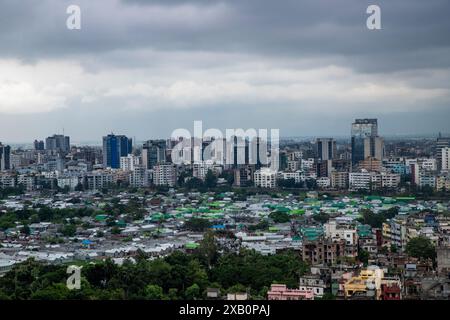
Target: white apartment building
307,164
428,164
199,170
367,180
323,182
390,180
293,165
129,162
140,177
360,180
339,179
7,181
297,175
443,182
97,180
427,178
295,155
165,174
338,231
69,182
445,159
265,178
29,182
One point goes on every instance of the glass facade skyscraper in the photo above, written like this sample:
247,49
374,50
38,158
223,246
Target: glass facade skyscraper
115,147
364,139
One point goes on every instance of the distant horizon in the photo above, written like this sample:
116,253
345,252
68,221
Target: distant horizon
301,137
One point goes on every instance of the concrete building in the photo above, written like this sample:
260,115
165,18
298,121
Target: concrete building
326,149
281,292
243,176
129,162
445,162
97,180
313,283
298,176
362,129
367,284
68,182
339,179
154,152
7,181
58,142
5,154
443,258
265,178
165,174
200,170
140,177
360,180
441,144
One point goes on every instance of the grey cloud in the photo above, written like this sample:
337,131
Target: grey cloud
280,29
164,41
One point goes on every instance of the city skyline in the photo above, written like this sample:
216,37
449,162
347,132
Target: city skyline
145,68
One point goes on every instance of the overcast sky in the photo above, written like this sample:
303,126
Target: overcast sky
145,68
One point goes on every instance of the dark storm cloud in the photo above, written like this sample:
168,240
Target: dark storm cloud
413,31
146,67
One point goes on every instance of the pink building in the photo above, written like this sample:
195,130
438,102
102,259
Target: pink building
281,292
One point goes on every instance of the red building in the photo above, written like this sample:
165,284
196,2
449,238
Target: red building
390,291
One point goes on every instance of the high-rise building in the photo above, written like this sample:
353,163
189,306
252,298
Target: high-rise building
39,145
265,178
445,161
58,142
165,174
154,152
129,162
326,149
5,155
441,143
365,140
374,148
115,147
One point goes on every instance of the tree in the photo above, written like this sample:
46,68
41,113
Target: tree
421,247
193,292
193,183
208,249
154,292
229,176
25,230
210,179
115,230
57,291
321,217
196,274
197,224
363,256
159,272
68,230
237,288
393,248
279,217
